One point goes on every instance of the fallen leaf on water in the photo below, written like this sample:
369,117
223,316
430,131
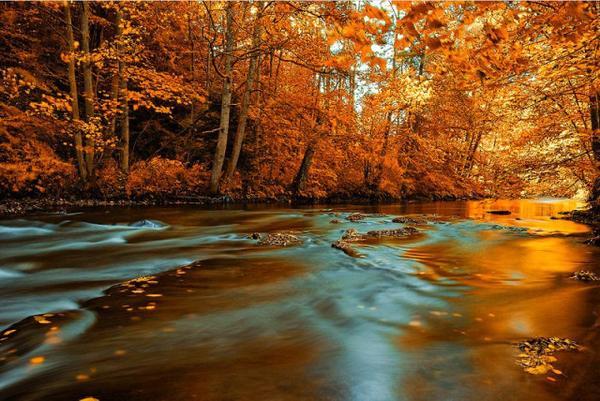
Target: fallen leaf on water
89,399
154,295
551,379
41,320
8,332
53,340
536,353
36,360
82,377
539,369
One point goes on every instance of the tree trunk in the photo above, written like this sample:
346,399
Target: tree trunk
192,62
88,92
74,96
116,79
121,95
388,128
225,104
595,123
241,127
124,121
302,174
472,151
209,50
257,155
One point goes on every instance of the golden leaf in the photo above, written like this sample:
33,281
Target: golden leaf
36,360
539,370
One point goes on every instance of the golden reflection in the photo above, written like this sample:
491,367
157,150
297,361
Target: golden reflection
519,287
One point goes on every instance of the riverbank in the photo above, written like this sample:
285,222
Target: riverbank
19,207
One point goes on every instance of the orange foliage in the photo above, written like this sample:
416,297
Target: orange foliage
329,99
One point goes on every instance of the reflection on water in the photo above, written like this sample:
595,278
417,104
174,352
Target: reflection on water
425,318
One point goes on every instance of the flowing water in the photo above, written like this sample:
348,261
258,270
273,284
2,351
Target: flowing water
215,316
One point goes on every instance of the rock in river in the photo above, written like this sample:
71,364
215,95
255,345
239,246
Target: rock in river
409,220
355,217
276,239
148,224
346,248
585,275
351,236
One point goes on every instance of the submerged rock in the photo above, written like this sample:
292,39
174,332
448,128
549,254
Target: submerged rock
500,212
276,239
509,228
335,221
536,355
585,275
595,240
148,224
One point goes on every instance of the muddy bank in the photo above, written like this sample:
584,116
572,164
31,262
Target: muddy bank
591,217
22,206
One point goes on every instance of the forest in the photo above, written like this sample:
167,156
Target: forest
265,100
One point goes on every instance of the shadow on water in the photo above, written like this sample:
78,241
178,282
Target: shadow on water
179,304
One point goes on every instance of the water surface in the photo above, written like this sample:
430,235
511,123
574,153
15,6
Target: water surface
217,317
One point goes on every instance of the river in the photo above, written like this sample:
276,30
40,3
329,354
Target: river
214,316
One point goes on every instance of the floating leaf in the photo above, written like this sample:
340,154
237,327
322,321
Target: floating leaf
36,360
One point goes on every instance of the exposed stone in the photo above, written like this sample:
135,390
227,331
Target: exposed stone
346,248
276,239
351,236
395,233
585,275
595,240
409,220
355,217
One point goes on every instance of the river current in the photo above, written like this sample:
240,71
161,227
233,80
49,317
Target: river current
181,304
